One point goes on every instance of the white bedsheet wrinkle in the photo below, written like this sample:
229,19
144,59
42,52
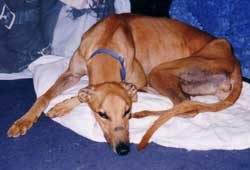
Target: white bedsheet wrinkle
14,76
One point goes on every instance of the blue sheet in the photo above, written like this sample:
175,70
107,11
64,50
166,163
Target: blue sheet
50,146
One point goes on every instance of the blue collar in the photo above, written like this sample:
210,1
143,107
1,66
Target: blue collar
114,55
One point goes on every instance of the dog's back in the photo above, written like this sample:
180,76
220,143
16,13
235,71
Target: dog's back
157,39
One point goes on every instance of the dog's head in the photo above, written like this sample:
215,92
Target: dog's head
111,104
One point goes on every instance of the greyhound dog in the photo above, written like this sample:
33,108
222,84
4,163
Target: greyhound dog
124,53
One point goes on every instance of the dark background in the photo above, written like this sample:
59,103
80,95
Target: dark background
151,7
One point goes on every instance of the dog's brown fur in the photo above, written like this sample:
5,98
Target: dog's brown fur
175,59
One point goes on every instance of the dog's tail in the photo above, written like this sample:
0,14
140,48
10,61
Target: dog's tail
195,106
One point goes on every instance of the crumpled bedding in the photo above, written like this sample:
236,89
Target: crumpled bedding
227,129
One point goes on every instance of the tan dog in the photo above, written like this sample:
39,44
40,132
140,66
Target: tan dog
175,59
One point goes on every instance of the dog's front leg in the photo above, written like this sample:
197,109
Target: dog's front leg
21,126
75,71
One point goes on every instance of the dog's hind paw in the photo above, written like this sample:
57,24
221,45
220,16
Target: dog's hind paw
139,115
145,113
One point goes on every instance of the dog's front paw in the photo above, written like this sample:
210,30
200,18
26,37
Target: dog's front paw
64,107
20,127
58,111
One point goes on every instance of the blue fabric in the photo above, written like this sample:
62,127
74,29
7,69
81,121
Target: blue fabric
32,32
7,17
22,40
49,146
49,12
30,35
115,56
223,18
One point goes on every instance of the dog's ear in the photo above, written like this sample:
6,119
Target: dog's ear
85,94
131,90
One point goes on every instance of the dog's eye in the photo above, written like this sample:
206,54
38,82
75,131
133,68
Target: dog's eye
103,115
127,112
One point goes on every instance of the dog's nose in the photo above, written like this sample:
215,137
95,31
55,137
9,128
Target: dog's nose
122,149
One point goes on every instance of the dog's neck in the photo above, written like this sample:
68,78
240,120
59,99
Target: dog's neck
108,70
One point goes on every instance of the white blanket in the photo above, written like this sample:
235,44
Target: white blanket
227,129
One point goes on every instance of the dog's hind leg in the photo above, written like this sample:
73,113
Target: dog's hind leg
166,83
73,74
180,79
205,73
213,70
